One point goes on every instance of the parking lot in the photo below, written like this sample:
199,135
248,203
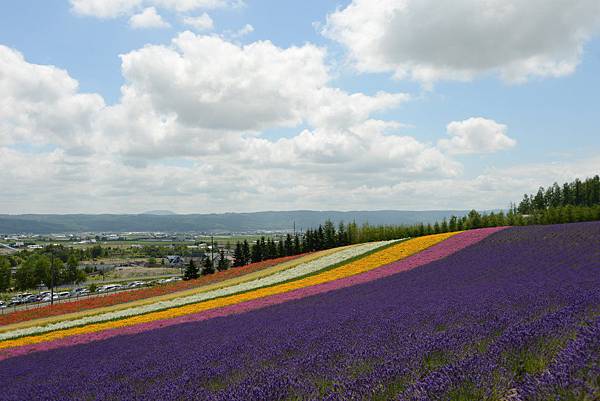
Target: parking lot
26,300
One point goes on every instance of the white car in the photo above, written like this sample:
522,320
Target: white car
109,287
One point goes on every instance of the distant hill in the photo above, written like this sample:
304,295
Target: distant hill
160,213
226,222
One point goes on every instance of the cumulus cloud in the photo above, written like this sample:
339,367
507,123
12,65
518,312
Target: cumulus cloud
200,23
426,40
188,131
148,18
476,135
42,104
205,80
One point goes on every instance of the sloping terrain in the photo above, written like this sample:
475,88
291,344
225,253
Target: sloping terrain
493,314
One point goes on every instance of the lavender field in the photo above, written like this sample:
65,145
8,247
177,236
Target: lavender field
514,317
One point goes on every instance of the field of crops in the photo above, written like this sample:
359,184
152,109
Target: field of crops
492,314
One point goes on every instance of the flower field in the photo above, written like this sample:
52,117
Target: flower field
119,298
490,314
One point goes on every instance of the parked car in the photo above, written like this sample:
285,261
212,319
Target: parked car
47,298
3,305
109,288
29,298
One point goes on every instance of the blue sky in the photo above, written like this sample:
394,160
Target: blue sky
549,118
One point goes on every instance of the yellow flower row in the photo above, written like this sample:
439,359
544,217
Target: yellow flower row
377,259
147,301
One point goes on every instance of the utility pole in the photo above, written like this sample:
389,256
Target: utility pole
212,249
51,275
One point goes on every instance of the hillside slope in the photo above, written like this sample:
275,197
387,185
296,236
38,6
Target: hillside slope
514,315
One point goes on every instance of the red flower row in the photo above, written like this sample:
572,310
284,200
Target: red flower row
128,296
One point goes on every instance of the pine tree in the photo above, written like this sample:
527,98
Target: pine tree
453,226
288,245
191,271
342,235
208,268
238,256
223,263
246,252
329,236
297,246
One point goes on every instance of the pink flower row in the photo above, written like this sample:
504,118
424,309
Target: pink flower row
436,252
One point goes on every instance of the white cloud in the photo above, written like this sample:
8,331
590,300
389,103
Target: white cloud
205,80
117,8
187,135
148,18
245,30
426,40
105,8
476,135
200,23
42,104
191,5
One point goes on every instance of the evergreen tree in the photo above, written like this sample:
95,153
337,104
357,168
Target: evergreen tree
342,235
297,246
288,245
453,225
238,255
256,252
5,274
320,239
329,237
246,252
223,263
208,267
191,271
271,249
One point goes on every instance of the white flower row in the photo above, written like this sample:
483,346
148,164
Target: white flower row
286,275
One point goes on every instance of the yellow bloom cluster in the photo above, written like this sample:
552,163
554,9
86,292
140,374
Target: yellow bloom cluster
147,301
372,261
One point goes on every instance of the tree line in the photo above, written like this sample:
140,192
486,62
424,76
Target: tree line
576,193
37,268
209,266
571,202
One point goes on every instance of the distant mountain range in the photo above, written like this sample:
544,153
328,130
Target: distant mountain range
160,212
165,221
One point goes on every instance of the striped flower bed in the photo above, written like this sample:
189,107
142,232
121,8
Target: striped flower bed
119,298
434,253
290,274
241,277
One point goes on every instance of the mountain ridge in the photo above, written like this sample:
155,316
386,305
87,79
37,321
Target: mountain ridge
209,222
